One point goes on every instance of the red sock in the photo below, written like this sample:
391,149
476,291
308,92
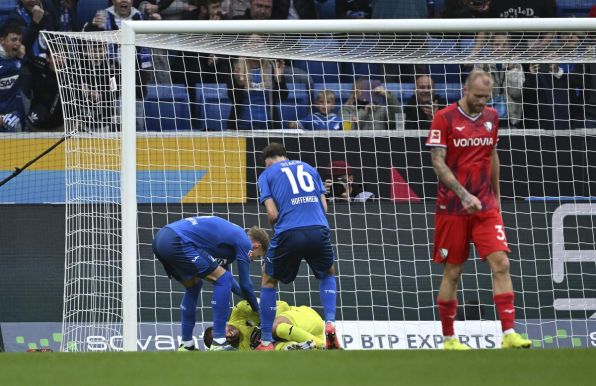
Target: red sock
447,312
505,309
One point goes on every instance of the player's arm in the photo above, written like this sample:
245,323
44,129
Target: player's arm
272,212
324,202
248,291
470,202
495,175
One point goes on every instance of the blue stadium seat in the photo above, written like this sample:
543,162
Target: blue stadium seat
167,108
352,71
451,91
297,105
320,71
326,9
402,91
573,8
213,106
6,7
87,9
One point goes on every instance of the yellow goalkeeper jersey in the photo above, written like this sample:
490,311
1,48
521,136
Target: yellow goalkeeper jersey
245,320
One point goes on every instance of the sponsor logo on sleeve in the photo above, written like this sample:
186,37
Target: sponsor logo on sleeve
435,136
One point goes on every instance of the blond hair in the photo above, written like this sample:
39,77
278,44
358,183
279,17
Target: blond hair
327,95
260,236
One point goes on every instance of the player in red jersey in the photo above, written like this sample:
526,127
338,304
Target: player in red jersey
463,139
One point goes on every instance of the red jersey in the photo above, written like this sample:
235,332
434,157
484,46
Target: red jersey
469,142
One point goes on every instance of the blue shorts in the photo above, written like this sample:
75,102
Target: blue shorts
287,250
180,259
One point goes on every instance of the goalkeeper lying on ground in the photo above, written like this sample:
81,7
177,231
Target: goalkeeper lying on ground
294,328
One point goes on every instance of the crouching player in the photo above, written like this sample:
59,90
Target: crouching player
201,248
294,328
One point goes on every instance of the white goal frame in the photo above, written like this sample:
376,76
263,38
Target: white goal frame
131,29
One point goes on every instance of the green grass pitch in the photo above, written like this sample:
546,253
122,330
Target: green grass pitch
574,367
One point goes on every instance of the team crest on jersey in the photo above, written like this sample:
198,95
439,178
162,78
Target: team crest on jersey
488,126
443,252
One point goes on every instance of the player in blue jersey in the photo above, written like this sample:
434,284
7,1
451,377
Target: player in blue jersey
11,54
294,197
201,248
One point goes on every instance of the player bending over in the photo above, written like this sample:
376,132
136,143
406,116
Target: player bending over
294,197
463,139
294,328
201,248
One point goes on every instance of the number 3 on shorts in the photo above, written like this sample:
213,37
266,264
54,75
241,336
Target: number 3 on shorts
500,232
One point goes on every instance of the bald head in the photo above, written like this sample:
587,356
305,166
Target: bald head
477,92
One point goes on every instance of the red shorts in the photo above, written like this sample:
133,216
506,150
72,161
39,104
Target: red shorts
453,234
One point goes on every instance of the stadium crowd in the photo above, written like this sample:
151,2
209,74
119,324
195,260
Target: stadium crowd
211,92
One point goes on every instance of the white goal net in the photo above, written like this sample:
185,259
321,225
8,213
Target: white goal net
208,97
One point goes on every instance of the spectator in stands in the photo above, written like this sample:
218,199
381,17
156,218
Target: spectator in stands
550,100
399,9
256,88
12,52
34,16
45,111
167,9
96,80
293,9
110,19
206,10
508,81
370,107
341,185
234,8
465,9
323,118
258,10
66,14
352,9
422,106
526,9
583,80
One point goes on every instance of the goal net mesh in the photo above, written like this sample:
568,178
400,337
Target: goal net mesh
207,104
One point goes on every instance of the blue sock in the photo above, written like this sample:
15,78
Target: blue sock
188,310
267,312
220,303
327,290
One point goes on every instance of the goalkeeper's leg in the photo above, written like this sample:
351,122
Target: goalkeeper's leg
288,332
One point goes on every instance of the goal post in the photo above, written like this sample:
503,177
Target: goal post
118,298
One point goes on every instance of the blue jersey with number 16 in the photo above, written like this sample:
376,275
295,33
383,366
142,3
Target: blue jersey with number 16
296,189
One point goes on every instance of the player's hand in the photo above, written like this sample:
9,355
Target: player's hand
37,13
471,203
155,16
